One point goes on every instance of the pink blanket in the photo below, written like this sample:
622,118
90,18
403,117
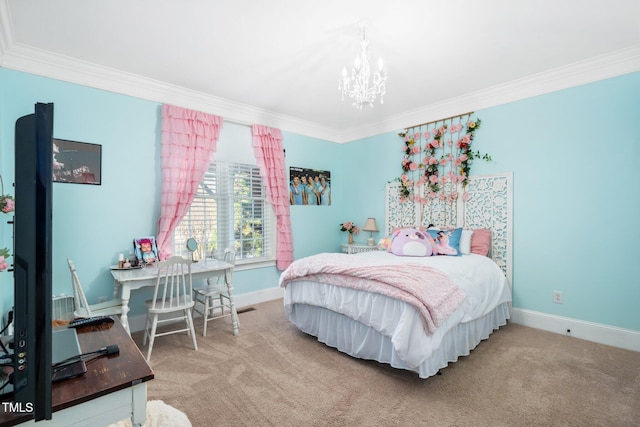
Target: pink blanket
428,289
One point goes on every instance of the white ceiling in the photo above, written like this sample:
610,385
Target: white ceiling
278,62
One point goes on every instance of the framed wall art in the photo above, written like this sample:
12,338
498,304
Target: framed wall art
77,162
310,187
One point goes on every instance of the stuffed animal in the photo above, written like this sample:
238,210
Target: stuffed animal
411,242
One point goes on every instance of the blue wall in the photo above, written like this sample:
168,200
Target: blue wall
317,228
93,224
573,154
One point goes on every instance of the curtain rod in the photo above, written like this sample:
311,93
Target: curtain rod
440,120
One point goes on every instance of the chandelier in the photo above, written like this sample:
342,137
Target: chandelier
359,85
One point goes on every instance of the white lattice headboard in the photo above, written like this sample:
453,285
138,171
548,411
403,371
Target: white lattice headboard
489,205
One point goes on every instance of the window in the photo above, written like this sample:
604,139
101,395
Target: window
230,208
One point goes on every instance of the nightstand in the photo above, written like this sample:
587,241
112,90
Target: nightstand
355,249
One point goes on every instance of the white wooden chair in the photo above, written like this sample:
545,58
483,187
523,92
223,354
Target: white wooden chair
215,300
171,301
82,307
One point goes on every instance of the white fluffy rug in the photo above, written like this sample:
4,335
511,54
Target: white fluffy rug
159,414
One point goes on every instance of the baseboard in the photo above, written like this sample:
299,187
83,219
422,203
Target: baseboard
136,323
248,299
596,332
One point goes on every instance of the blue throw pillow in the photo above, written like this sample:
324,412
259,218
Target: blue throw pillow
447,241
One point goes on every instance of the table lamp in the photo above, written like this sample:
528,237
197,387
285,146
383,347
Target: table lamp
371,227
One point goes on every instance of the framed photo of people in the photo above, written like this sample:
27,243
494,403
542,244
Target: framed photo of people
309,187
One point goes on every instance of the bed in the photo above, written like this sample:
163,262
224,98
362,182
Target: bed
413,313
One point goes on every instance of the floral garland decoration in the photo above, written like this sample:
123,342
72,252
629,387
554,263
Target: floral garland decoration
431,168
7,205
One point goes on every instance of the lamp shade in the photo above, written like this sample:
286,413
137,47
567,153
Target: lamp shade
370,225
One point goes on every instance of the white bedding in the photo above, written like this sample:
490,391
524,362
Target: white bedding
479,276
482,280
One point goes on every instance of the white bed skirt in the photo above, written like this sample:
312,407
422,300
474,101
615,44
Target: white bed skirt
361,341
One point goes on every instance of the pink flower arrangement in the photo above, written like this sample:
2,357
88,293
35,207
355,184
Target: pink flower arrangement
4,254
6,201
350,227
7,204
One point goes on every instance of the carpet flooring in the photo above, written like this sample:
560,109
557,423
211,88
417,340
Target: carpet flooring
271,374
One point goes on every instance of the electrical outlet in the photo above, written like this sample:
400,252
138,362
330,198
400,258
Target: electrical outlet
557,297
102,299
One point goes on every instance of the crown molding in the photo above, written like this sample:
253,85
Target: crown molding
46,64
19,57
602,67
6,32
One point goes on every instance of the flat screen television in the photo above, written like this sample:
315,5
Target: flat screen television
32,264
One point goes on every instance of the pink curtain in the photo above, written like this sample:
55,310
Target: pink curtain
188,140
267,146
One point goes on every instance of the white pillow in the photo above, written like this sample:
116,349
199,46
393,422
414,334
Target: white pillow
465,242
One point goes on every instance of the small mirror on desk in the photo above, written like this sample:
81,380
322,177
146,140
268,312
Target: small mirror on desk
192,245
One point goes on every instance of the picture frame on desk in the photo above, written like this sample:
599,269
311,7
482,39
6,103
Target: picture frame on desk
145,249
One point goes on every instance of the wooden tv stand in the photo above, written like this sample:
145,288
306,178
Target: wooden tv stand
114,387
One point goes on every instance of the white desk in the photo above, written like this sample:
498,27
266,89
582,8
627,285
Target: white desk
137,278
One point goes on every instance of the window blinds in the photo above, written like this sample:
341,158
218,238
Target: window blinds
230,208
